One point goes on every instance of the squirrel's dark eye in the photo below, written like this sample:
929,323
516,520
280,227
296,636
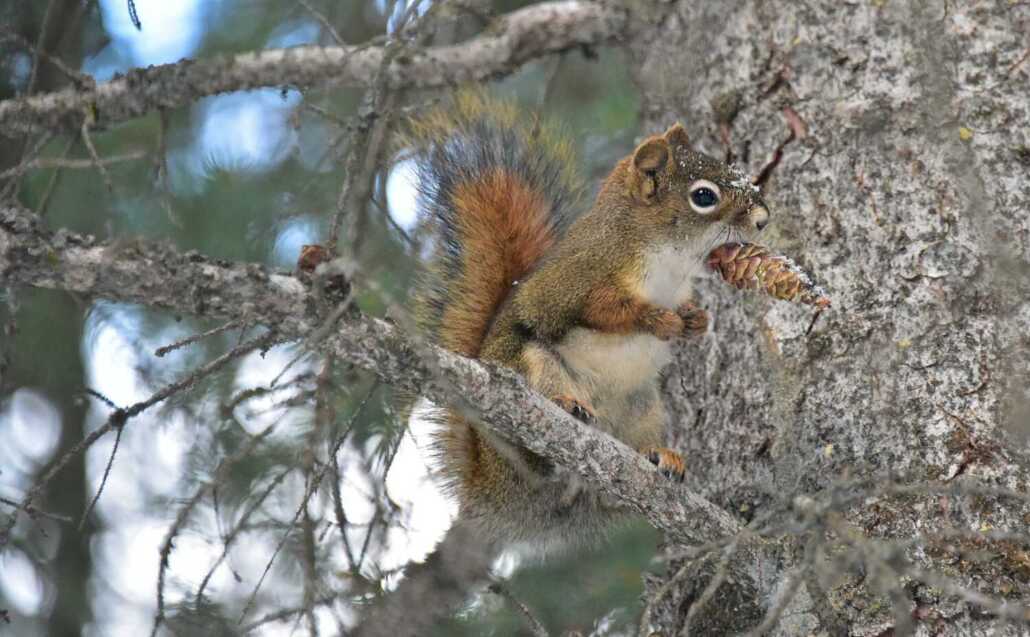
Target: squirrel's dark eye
704,198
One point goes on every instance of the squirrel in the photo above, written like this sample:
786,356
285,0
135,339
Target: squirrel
583,306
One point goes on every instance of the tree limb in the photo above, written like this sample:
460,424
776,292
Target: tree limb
158,276
513,40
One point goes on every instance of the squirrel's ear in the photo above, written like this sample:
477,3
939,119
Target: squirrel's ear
677,136
649,159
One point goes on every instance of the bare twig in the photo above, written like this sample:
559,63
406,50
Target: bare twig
230,538
286,613
121,416
62,163
97,162
103,480
308,492
10,190
532,622
644,627
161,163
722,572
327,416
180,519
55,176
133,15
310,569
318,15
33,511
161,351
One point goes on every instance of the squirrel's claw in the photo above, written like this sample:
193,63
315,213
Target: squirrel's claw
669,463
695,320
576,408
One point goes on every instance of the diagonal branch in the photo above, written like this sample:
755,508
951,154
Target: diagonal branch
511,41
156,275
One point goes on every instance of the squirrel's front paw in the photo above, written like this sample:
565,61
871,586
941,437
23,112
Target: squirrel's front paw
663,323
576,408
695,320
668,462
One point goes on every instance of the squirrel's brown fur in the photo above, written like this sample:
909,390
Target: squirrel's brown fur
584,309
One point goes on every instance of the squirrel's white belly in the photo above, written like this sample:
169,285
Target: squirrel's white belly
619,363
669,276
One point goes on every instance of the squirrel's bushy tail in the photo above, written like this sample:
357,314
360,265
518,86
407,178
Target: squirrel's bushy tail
497,190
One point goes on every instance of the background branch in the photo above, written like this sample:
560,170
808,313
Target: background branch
514,39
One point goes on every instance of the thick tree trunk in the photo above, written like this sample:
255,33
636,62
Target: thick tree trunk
903,185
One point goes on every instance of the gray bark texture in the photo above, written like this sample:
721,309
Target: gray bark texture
904,186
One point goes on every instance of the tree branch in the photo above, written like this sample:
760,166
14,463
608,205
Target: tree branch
156,275
513,40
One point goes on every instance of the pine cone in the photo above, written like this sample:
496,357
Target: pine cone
751,266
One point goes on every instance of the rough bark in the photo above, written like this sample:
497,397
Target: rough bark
905,191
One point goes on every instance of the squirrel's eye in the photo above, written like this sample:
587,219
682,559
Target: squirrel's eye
704,196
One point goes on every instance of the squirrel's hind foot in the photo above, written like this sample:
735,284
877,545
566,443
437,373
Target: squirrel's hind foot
669,463
576,408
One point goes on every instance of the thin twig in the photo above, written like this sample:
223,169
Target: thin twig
287,613
535,626
180,519
309,491
310,572
103,481
14,174
716,581
62,163
39,49
378,517
367,142
393,222
794,579
161,351
644,629
102,398
134,15
230,538
120,417
33,511
308,524
327,417
306,348
55,177
161,159
97,162
318,15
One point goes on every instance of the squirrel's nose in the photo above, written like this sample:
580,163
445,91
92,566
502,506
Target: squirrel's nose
759,216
